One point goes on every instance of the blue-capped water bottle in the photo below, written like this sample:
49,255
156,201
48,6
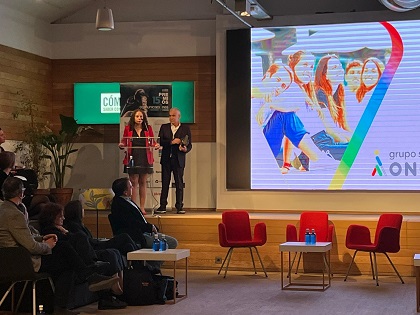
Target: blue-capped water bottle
313,237
163,243
307,237
156,243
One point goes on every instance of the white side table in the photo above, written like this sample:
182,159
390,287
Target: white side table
301,247
168,255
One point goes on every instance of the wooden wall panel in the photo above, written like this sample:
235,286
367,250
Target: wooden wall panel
30,74
198,69
199,233
49,83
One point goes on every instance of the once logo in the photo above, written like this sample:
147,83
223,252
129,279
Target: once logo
110,103
379,169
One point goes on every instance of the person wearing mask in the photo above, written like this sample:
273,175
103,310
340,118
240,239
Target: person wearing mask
175,139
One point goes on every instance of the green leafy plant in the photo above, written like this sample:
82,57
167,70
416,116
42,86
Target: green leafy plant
59,147
30,150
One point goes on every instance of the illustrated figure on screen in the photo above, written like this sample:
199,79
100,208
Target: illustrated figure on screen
138,141
283,125
353,78
329,86
137,101
302,65
316,118
353,75
370,74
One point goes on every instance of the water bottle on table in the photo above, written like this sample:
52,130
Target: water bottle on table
156,243
163,243
313,237
307,237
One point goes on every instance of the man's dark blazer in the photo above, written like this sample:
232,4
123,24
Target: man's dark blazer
165,136
130,220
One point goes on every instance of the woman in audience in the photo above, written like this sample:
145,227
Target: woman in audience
51,222
74,213
47,255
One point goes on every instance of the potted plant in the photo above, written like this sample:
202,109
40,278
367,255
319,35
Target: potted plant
59,147
30,151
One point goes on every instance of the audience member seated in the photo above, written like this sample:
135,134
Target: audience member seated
74,214
35,206
48,256
51,222
132,221
2,140
7,163
129,215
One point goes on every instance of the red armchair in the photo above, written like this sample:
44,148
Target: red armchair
310,220
235,231
387,240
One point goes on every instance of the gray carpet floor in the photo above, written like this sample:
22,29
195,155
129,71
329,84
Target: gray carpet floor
243,293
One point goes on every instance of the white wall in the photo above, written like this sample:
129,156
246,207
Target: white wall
297,200
97,166
23,32
134,40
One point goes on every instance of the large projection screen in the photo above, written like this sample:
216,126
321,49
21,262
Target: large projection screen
335,107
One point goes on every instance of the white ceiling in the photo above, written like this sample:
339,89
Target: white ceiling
84,11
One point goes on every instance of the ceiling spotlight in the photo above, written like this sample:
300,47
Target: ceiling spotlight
104,19
401,5
251,8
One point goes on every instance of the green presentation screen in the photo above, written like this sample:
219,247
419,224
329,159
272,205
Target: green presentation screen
99,103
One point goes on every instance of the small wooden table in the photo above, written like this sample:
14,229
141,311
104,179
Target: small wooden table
301,247
167,255
417,267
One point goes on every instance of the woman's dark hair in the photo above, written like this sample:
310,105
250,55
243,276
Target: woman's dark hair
11,188
145,122
119,186
49,213
73,211
7,160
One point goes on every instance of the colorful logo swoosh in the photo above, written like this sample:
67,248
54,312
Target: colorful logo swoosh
372,107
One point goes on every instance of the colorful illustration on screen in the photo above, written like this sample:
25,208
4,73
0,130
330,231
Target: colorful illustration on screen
322,96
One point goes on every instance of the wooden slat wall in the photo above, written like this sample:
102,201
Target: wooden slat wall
31,74
198,69
200,235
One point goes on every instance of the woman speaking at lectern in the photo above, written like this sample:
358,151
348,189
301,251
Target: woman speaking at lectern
138,140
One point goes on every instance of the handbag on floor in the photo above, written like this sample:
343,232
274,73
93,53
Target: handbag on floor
140,288
169,293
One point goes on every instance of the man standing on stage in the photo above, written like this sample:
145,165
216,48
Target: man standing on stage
175,140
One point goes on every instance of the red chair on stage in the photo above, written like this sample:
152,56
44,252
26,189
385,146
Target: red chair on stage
235,231
310,220
387,240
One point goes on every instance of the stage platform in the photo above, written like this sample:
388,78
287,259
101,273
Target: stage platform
197,230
